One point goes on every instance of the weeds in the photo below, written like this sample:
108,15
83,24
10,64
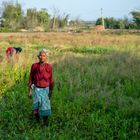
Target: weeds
96,94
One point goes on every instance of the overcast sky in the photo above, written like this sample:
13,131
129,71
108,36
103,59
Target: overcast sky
85,9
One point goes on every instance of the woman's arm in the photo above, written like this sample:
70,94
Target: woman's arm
51,83
31,80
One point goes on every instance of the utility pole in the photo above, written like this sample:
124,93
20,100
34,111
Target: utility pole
103,24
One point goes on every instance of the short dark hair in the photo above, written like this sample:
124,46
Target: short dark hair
18,49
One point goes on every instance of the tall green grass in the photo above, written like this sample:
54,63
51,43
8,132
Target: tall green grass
96,96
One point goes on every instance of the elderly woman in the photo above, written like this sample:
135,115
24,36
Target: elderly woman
41,86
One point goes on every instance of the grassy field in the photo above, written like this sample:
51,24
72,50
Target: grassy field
97,87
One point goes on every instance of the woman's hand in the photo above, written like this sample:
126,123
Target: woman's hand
30,92
50,94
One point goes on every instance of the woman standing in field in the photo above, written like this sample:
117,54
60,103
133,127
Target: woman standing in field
41,86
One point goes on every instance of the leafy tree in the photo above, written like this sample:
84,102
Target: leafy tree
58,20
99,21
43,18
24,23
112,23
31,18
136,18
62,20
2,22
12,13
35,18
121,24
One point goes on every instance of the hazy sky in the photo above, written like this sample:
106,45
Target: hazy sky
85,9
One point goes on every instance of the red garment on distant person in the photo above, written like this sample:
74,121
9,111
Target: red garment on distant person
41,75
10,51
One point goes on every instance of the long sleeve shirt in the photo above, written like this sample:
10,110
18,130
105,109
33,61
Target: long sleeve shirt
10,51
41,75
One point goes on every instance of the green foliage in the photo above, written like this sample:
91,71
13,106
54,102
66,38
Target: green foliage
112,23
94,98
59,21
12,13
43,18
92,50
136,18
14,18
31,18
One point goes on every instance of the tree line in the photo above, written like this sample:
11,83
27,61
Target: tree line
13,19
112,23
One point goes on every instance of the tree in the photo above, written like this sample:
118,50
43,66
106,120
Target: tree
62,20
31,18
12,13
112,23
99,21
43,18
136,18
58,20
35,18
2,22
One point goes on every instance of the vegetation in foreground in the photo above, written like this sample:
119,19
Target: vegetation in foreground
96,95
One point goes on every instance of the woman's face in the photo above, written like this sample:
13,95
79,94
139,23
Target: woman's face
42,57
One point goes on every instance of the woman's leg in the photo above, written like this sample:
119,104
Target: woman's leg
45,120
36,113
